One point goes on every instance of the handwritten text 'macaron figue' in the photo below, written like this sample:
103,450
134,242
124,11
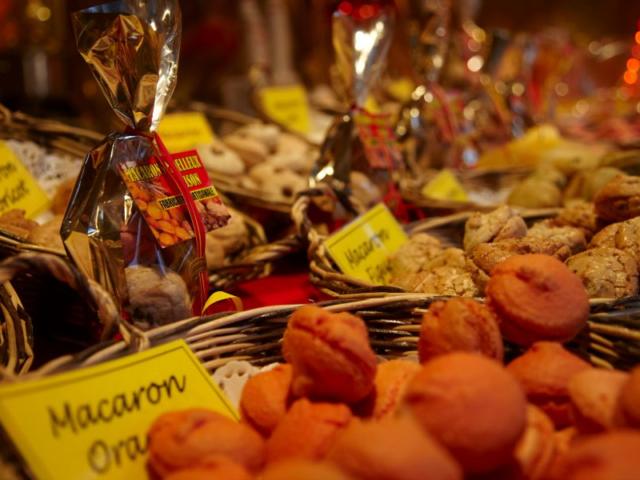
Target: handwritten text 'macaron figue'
359,254
101,455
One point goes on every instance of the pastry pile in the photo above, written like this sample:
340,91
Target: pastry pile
599,241
263,159
333,413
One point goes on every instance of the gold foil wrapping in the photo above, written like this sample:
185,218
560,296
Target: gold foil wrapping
132,48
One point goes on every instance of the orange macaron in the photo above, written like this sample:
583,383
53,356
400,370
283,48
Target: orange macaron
265,398
472,406
391,381
459,324
595,399
608,456
300,469
536,297
221,467
193,438
330,355
544,371
307,430
630,399
394,448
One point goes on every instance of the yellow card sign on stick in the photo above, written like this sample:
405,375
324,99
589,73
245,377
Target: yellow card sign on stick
445,186
185,131
93,423
363,247
18,189
288,106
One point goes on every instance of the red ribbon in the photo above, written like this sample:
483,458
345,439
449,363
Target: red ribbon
196,220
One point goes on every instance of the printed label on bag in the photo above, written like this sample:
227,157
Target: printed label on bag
162,205
288,106
185,131
92,423
379,140
18,189
363,248
445,186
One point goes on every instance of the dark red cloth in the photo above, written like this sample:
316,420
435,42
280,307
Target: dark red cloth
278,289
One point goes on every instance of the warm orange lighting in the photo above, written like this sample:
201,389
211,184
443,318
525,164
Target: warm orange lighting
638,37
633,64
630,77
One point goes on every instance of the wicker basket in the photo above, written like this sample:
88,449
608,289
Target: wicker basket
487,189
253,261
223,122
34,279
325,273
612,338
51,134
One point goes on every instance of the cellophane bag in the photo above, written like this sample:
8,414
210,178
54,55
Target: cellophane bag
360,152
145,256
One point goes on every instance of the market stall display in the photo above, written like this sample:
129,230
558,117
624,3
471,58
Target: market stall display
455,256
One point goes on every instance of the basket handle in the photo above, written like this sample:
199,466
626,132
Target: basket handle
300,212
63,271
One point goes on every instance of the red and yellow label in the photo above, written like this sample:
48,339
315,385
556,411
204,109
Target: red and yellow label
162,205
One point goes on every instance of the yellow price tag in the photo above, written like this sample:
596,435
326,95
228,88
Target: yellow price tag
18,189
445,186
363,247
185,131
288,106
92,423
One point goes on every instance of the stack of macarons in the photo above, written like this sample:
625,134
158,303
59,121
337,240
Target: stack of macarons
333,412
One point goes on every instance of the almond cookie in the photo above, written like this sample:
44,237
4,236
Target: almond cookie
447,281
623,235
487,255
579,214
410,257
500,224
572,237
606,272
619,199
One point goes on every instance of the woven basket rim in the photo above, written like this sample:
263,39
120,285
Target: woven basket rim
243,334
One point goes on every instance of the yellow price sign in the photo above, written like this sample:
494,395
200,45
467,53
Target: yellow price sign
185,131
18,189
445,186
363,248
288,106
92,423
